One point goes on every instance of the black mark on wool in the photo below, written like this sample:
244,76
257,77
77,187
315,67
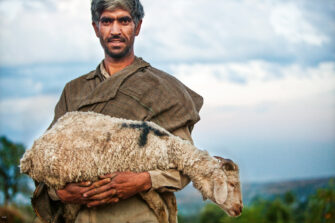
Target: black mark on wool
146,129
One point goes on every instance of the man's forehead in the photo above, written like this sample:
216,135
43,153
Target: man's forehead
115,13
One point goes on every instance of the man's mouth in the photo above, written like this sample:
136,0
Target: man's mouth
116,40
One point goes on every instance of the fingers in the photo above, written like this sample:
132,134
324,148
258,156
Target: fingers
89,183
77,187
100,183
104,195
95,185
112,200
111,175
85,184
99,190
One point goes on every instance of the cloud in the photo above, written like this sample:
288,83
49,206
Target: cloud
288,21
26,118
256,82
35,32
203,32
37,80
60,31
273,102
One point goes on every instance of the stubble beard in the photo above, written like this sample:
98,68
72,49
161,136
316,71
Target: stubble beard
115,55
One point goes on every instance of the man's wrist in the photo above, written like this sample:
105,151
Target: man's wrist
147,182
61,195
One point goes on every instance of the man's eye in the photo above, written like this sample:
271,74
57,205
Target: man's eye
125,20
106,21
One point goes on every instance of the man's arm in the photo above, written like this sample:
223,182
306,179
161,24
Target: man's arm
61,108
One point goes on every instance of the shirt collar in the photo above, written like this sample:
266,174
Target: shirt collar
102,72
108,88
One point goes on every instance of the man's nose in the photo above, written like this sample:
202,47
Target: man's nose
115,29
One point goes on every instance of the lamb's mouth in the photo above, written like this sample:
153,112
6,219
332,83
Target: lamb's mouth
235,212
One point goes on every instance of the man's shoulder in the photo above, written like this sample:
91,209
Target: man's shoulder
164,77
153,80
153,87
81,80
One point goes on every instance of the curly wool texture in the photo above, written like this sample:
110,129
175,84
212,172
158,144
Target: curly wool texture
84,145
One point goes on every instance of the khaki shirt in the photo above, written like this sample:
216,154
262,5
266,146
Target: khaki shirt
138,92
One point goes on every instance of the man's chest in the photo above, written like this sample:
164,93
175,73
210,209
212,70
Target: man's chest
120,105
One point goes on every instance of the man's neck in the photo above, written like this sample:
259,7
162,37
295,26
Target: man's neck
113,65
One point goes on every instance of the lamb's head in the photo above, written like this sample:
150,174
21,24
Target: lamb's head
228,194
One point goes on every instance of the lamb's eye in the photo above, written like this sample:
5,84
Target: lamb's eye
232,185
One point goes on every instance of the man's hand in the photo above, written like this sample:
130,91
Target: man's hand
122,186
73,192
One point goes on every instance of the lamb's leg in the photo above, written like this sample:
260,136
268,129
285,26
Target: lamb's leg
71,212
171,203
154,201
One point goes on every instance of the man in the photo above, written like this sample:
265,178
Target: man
128,87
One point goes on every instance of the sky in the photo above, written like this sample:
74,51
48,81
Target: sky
266,70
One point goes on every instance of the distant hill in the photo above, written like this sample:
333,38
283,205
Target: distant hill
190,200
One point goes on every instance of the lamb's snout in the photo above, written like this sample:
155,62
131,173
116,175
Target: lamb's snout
237,209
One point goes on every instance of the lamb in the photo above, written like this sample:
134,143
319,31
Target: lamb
84,145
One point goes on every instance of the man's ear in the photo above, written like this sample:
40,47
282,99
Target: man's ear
220,192
138,28
96,29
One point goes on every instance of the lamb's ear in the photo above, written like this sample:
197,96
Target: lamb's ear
220,192
229,166
226,164
219,158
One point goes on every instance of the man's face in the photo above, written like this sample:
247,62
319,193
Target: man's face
117,31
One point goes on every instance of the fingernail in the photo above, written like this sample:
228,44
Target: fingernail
85,195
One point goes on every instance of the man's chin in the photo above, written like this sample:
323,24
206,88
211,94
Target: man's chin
116,54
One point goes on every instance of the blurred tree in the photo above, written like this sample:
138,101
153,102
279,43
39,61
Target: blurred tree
299,211
278,212
10,215
321,205
250,214
188,219
11,181
289,198
286,208
211,214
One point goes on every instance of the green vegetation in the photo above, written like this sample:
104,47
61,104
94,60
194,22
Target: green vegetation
11,181
321,206
318,208
12,184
